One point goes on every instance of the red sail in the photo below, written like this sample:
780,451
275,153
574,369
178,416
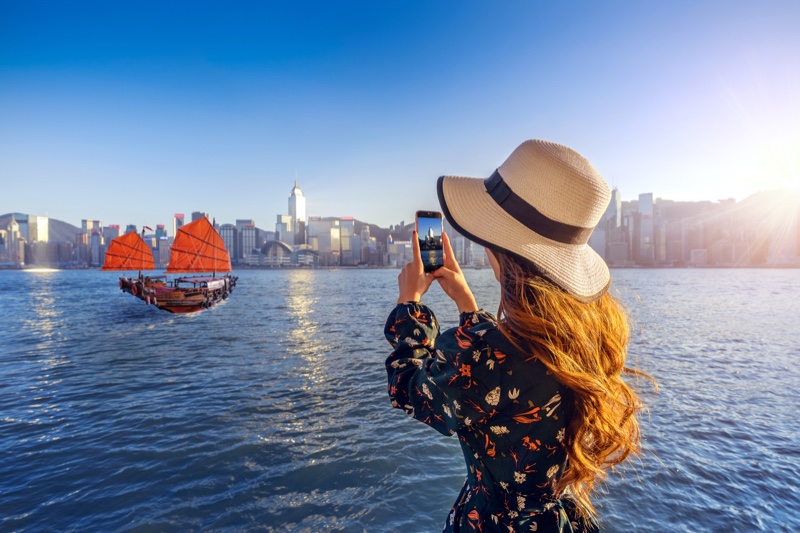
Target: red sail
128,252
198,248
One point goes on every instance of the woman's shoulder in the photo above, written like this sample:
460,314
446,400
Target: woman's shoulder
487,337
520,365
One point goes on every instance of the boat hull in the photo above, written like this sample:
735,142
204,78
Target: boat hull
203,292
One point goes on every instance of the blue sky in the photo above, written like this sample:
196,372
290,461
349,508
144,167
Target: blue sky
130,112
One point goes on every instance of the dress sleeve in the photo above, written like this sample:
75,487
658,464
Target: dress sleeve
447,381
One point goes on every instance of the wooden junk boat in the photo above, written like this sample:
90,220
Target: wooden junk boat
197,248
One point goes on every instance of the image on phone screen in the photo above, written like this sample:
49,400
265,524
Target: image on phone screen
429,232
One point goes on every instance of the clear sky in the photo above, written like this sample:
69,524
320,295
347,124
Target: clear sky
129,112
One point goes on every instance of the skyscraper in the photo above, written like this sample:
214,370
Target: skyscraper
250,241
161,234
324,236
229,235
297,210
38,229
242,223
350,248
283,229
177,223
96,245
646,250
110,232
14,248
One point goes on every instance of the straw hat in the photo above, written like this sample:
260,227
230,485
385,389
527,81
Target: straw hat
540,206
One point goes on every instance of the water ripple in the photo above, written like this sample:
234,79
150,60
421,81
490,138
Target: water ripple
269,412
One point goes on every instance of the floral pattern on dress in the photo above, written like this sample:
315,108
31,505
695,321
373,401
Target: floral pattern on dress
506,409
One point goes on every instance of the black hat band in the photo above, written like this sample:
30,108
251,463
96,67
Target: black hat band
530,217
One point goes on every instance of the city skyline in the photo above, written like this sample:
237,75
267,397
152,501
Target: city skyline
268,222
763,230
134,113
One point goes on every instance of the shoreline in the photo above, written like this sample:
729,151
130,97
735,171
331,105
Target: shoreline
45,268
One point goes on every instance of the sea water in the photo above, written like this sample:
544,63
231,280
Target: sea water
269,412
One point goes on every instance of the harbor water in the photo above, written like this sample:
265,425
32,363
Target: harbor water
269,412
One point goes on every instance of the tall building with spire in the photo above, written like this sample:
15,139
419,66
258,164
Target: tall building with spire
297,210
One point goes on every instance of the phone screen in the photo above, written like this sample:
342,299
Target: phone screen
429,232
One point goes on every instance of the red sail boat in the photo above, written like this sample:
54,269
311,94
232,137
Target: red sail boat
129,252
197,248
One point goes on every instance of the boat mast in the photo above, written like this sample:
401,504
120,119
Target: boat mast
140,270
214,226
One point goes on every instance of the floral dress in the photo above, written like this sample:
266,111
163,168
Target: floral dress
507,411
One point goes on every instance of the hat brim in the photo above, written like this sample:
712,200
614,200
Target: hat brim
472,212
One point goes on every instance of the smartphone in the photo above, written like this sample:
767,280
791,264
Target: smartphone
429,233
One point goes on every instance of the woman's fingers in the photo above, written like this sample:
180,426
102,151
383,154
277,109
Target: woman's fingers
456,287
449,257
413,282
415,249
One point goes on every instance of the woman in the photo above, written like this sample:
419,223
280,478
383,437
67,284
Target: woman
536,397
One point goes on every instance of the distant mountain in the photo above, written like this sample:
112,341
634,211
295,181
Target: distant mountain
59,231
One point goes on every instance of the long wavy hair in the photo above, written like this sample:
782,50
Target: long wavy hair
584,345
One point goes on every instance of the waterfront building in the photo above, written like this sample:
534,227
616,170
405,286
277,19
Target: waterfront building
240,225
692,237
163,240
130,228
612,243
467,253
283,229
15,243
197,215
458,243
324,236
646,251
160,248
229,234
161,232
462,248
355,248
372,251
276,254
36,253
38,229
250,242
598,242
297,210
349,255
305,256
22,225
399,253
477,255
96,244
672,236
613,214
110,232
88,226
177,223
82,252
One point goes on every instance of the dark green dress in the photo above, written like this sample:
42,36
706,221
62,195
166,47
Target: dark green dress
506,409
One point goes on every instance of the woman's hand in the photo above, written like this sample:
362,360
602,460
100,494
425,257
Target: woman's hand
413,281
452,280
